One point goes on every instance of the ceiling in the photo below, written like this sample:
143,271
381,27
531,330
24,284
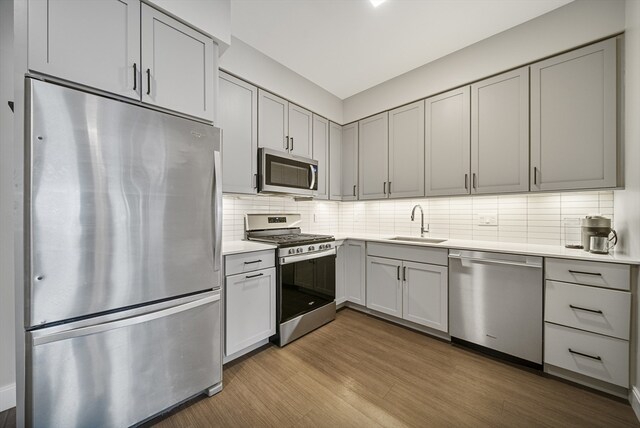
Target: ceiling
347,46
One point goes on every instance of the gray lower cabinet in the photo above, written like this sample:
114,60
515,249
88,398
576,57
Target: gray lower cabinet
341,292
321,154
384,285
335,162
238,118
447,143
350,162
354,272
92,42
178,65
573,119
406,151
373,156
500,133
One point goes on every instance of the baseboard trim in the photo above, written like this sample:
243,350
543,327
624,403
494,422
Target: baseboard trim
7,397
634,399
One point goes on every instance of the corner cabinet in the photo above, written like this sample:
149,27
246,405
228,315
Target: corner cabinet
354,272
350,162
500,133
373,155
238,118
321,154
574,119
335,162
125,48
447,143
406,151
284,126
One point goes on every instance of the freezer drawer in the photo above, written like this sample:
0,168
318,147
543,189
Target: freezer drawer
115,372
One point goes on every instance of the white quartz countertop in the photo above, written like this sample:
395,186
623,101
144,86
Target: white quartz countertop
238,247
499,247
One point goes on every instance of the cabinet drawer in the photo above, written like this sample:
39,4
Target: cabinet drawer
248,262
590,354
435,256
610,275
588,308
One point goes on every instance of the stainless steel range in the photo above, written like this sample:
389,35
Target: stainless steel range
306,266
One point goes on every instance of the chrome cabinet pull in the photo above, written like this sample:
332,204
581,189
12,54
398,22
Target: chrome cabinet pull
595,311
466,182
389,187
535,175
384,187
148,81
474,180
404,273
135,76
291,143
287,143
398,273
254,276
354,190
252,262
585,355
585,273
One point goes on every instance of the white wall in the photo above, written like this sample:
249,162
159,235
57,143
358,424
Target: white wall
210,16
7,357
627,201
250,64
579,22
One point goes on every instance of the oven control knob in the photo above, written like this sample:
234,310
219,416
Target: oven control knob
298,250
327,246
311,248
290,250
320,247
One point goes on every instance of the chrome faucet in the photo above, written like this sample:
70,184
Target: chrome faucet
413,216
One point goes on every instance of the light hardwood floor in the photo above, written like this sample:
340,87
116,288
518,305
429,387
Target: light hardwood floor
359,371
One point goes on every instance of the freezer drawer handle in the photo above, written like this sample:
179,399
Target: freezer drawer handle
595,311
252,262
585,355
254,276
496,262
126,322
585,273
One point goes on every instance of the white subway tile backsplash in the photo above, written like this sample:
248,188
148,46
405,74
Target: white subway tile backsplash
524,218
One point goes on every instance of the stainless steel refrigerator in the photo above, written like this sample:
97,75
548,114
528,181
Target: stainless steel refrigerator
122,298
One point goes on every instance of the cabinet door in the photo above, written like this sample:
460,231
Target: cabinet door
92,42
321,154
273,122
373,156
354,276
384,286
406,151
573,119
178,65
425,297
350,162
500,133
300,131
238,118
335,162
341,294
250,309
447,143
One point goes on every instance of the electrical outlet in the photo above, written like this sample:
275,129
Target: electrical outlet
488,219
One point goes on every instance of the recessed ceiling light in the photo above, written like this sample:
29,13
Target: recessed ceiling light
377,3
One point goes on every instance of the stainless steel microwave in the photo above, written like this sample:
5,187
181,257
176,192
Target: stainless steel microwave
280,172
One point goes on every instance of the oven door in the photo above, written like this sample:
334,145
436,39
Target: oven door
307,282
283,173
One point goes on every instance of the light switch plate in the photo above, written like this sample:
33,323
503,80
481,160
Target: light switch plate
488,219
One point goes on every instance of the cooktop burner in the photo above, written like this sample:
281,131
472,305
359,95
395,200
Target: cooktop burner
291,239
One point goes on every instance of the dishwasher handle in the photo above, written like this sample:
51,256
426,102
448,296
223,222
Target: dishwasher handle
496,262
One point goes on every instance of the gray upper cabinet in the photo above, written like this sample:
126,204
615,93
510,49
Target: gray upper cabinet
500,133
335,162
350,162
92,42
238,118
300,131
177,65
406,151
321,154
447,143
573,119
273,126
373,156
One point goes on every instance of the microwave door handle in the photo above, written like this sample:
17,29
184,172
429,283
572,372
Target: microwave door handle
313,177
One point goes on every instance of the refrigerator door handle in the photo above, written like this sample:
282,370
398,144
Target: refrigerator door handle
125,322
217,252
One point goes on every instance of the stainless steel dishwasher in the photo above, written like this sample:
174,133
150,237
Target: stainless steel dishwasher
495,304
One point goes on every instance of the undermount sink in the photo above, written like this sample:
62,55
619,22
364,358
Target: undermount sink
418,239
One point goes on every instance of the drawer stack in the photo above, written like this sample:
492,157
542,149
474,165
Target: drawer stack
587,318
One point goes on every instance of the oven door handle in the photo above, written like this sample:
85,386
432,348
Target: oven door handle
302,257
